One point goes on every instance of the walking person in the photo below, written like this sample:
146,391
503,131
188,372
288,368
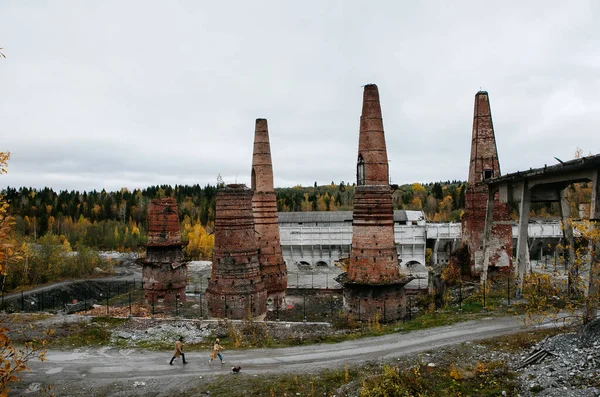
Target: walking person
178,351
217,348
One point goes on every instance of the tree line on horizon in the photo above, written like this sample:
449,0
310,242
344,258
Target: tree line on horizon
96,213
118,220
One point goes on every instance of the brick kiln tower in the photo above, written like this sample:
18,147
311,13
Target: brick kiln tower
164,271
484,164
264,207
235,289
373,284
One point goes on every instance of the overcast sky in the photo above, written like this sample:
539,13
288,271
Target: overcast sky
110,94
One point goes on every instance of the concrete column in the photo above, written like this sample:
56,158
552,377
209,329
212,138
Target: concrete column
565,213
522,246
487,232
595,204
434,254
591,308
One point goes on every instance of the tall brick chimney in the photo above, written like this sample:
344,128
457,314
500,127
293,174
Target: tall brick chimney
236,289
484,164
373,285
264,207
373,258
164,271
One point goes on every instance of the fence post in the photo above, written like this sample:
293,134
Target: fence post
130,313
152,304
359,308
22,302
484,289
460,295
42,302
312,280
384,310
297,279
200,294
508,289
277,309
176,305
107,312
304,295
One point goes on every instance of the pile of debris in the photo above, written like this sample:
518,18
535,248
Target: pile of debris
566,365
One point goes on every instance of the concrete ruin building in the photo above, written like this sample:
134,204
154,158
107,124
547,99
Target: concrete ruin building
373,285
484,164
236,289
164,271
264,207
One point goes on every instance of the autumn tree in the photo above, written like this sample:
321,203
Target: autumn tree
13,360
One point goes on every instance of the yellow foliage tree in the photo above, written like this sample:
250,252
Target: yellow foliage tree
200,243
13,360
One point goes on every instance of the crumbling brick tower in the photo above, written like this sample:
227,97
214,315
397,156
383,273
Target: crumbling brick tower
164,270
235,289
373,285
264,207
484,164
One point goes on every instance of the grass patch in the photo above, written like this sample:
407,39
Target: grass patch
325,383
26,318
90,335
478,379
109,321
522,341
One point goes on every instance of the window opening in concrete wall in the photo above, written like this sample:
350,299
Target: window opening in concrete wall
488,173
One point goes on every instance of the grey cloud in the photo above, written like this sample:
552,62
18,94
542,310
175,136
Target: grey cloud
102,95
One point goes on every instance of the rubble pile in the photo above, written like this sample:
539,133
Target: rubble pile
566,365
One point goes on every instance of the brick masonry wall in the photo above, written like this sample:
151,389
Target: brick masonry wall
388,303
264,207
371,140
373,258
236,289
164,272
374,284
484,159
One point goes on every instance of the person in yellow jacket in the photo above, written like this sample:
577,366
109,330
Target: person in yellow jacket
178,351
217,348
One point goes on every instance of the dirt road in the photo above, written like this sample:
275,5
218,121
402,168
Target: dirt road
119,372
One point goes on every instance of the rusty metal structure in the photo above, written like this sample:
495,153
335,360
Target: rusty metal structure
164,271
236,289
264,208
373,285
484,165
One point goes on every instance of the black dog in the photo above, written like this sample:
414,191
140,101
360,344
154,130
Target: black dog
236,369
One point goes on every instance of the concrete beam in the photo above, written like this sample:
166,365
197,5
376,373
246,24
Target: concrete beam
595,204
522,247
